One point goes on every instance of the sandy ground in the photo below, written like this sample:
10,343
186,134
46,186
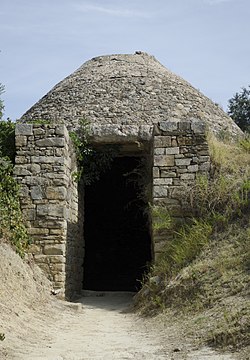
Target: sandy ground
98,326
101,327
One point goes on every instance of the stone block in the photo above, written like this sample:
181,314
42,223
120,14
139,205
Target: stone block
198,127
41,259
34,168
61,130
187,176
174,142
62,232
156,172
38,231
160,191
168,126
168,174
56,193
21,170
56,249
36,192
38,131
192,168
183,161
21,160
60,277
172,151
34,249
184,126
57,210
24,191
24,129
162,141
53,141
159,151
47,159
163,181
204,158
21,140
164,160
57,259
42,210
29,214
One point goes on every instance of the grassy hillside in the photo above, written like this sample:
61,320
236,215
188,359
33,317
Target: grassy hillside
202,277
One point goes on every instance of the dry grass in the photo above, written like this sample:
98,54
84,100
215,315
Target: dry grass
203,276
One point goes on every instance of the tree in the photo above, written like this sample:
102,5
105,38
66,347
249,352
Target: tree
1,101
7,134
239,108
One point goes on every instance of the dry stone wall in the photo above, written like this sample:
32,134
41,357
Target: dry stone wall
53,205
45,163
180,154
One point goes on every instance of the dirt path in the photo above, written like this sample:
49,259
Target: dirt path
100,327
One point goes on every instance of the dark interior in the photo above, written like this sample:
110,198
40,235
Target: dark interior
116,230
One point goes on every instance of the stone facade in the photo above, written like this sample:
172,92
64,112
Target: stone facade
53,204
180,153
45,163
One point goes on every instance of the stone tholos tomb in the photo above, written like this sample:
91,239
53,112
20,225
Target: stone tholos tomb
100,236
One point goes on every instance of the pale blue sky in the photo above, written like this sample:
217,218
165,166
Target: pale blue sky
42,41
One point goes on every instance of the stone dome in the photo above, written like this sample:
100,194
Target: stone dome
127,89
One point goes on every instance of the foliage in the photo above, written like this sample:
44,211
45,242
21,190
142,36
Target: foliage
7,139
239,108
185,246
38,121
11,224
1,101
245,143
92,161
204,270
227,193
161,218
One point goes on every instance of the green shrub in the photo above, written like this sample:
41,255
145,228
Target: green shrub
161,218
92,161
11,222
7,139
185,246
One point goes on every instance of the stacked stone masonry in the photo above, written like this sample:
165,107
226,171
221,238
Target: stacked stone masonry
52,203
45,163
180,154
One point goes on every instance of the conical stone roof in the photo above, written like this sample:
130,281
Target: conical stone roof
127,89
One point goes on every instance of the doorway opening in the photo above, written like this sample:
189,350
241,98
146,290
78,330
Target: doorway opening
117,229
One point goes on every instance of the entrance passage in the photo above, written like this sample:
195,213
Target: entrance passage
116,229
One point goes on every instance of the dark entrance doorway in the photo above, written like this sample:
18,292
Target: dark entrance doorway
116,229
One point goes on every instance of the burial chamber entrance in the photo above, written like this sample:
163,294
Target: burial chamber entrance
117,226
108,247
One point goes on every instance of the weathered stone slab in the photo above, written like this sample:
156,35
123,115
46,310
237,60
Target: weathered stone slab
24,129
163,181
21,140
162,141
56,193
47,142
172,150
160,191
183,161
168,126
164,160
56,249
